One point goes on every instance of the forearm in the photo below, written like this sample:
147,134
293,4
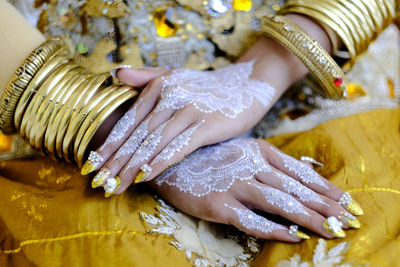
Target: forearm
275,64
18,39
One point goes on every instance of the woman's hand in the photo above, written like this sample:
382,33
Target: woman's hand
178,112
223,183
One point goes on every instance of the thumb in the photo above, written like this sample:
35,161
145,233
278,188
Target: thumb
139,77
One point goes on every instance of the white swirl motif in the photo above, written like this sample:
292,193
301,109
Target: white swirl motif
216,168
228,90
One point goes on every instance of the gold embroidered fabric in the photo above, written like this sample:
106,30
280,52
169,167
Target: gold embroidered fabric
49,215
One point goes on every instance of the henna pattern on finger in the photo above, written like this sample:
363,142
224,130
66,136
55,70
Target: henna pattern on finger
147,148
216,168
281,200
293,187
306,174
228,90
177,144
134,141
121,127
252,221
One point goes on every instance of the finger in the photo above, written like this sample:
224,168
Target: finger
274,201
173,149
314,201
306,175
149,149
256,225
124,128
139,77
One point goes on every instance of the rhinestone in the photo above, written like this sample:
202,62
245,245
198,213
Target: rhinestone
242,5
287,27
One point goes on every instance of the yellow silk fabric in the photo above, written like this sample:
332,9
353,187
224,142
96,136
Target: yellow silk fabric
49,215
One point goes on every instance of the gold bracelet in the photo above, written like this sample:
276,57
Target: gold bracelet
45,88
332,20
64,117
75,121
50,135
323,20
52,64
46,109
110,95
321,65
23,76
94,126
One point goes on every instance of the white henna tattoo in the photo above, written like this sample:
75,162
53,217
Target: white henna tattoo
305,194
147,148
134,141
252,221
121,127
228,90
177,144
303,171
216,168
281,200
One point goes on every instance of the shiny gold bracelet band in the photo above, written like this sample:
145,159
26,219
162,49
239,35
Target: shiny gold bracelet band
94,126
321,65
23,76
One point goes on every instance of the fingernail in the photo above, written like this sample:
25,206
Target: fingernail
93,161
350,204
111,186
333,226
349,219
143,174
101,177
114,71
294,231
311,160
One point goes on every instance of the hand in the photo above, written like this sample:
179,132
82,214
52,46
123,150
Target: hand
178,112
223,183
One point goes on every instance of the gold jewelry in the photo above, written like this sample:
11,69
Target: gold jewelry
322,67
94,126
23,76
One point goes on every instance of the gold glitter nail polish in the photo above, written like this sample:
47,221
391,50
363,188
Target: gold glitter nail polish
349,219
93,161
111,186
355,208
333,226
100,177
145,171
294,231
87,168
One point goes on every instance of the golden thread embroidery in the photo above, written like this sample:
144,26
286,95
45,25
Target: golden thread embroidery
374,189
68,237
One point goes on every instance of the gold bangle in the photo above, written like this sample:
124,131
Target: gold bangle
23,76
374,13
47,107
94,126
50,135
322,20
104,98
321,65
53,63
64,117
335,22
45,88
75,120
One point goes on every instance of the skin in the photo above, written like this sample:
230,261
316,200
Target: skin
274,65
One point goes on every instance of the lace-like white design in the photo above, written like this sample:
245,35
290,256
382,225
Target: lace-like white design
216,168
303,171
177,144
228,90
134,141
252,221
281,200
147,148
204,243
121,127
295,188
322,257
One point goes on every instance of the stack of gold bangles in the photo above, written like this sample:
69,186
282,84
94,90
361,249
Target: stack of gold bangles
56,104
356,24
